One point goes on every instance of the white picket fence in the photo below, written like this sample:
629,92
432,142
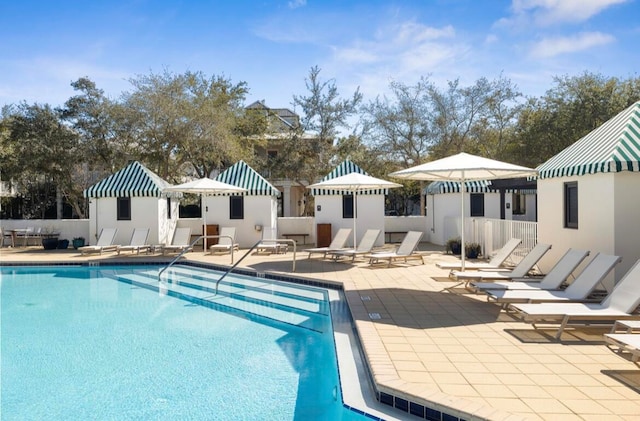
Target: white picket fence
492,234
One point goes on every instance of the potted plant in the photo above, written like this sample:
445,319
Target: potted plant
78,242
49,237
454,245
63,244
472,250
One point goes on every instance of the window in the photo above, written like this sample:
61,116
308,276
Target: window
236,207
571,204
124,209
519,204
168,208
347,206
477,204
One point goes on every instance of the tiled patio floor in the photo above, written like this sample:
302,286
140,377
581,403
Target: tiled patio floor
451,350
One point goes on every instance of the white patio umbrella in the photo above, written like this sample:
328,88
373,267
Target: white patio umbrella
461,168
354,182
205,187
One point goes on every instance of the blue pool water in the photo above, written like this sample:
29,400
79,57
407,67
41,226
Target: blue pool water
97,343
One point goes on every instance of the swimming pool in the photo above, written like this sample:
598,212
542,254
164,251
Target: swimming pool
106,343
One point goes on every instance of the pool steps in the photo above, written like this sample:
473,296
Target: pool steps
301,307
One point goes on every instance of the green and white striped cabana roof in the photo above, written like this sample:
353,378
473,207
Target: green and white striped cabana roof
346,167
475,186
134,180
612,147
241,174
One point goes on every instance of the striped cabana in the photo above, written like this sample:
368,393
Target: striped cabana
134,180
476,186
346,167
612,147
442,187
242,175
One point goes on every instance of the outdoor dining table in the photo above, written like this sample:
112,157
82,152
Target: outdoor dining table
15,233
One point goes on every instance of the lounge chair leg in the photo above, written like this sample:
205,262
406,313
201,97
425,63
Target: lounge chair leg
565,320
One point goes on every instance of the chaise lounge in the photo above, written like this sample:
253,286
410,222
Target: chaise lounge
618,305
105,242
552,280
405,251
338,243
496,262
579,290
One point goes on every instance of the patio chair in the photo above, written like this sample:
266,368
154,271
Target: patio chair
269,243
579,290
552,280
105,242
366,245
181,241
521,270
405,251
625,342
618,305
138,242
338,242
496,261
226,242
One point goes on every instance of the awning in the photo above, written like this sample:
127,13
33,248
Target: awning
242,175
612,147
346,167
476,186
134,180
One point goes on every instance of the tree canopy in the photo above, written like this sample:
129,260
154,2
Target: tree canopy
190,124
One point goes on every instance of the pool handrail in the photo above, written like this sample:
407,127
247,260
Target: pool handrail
202,237
253,247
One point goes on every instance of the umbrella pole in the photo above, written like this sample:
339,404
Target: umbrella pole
203,206
462,190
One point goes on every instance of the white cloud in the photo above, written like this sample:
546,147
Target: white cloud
550,12
294,4
404,51
551,47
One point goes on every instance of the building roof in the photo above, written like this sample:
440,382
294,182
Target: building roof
242,175
134,180
612,147
345,167
475,186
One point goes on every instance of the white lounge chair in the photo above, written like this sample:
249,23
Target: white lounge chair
519,271
579,290
405,251
496,261
338,242
180,242
552,280
625,342
105,242
618,305
269,243
138,242
366,245
226,241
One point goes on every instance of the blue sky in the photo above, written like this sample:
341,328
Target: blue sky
272,44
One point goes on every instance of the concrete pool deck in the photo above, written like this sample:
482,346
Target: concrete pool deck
444,348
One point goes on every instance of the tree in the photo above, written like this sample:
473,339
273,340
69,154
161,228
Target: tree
187,123
574,107
41,155
308,148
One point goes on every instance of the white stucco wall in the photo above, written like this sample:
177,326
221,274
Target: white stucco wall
596,218
625,217
370,214
443,214
258,210
146,212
